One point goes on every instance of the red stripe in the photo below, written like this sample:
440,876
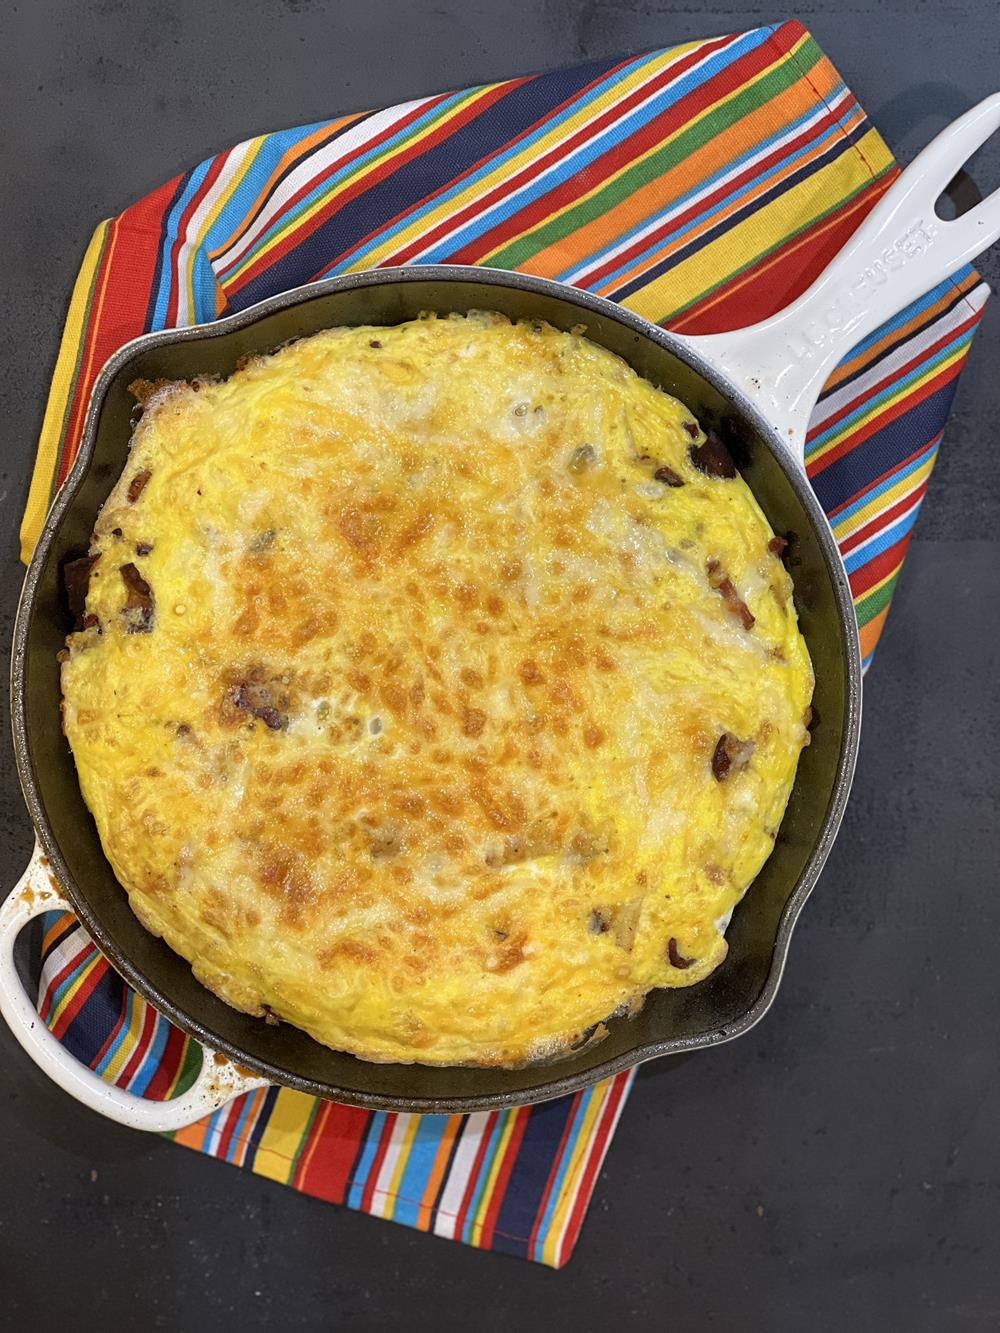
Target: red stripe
117,1027
927,354
376,1166
556,154
900,467
327,172
701,205
473,1178
126,276
553,1172
883,519
778,278
522,1117
595,1154
891,413
365,182
169,1066
175,278
149,1020
329,1171
65,971
878,568
233,1112
647,137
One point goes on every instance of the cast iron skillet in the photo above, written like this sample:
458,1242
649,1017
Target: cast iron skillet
759,403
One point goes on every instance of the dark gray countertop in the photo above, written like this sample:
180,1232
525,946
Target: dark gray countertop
839,1167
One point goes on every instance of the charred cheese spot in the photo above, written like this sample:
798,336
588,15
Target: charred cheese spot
469,692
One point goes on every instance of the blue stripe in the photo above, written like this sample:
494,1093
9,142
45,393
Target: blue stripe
754,184
883,486
486,134
898,387
328,182
864,465
611,137
523,1196
842,145
553,1199
886,538
360,1174
171,224
912,310
151,1060
408,218
419,1164
469,1228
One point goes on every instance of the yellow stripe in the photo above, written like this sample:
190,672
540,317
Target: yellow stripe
359,172
876,587
581,1146
526,157
412,1125
885,500
509,1120
608,181
853,424
49,442
710,268
282,1137
209,220
126,1041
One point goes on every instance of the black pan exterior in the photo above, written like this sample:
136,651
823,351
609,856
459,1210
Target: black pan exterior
724,1006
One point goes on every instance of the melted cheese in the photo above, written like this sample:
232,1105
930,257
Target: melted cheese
414,748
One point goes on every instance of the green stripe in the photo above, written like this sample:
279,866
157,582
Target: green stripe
869,606
782,241
288,221
81,344
718,121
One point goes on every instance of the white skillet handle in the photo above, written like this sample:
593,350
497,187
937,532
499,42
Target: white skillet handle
900,252
218,1079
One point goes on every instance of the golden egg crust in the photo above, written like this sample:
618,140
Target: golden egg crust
439,688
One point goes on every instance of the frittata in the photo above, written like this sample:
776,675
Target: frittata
438,688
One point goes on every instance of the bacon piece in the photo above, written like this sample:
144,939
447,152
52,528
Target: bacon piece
677,959
712,457
138,484
138,609
724,585
731,755
668,476
255,699
76,581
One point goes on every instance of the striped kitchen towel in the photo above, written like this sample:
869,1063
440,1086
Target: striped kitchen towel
703,186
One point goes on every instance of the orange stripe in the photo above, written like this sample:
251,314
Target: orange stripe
870,633
437,1172
862,204
300,149
900,334
315,1134
649,199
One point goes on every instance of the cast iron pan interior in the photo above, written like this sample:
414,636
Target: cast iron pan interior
725,1005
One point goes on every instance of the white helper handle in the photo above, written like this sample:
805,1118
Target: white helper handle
218,1079
900,252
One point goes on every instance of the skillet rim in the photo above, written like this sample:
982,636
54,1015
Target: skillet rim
546,1087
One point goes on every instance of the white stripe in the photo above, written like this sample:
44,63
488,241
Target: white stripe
880,535
890,365
458,1177
382,1200
842,534
323,162
580,274
506,202
585,1161
235,158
